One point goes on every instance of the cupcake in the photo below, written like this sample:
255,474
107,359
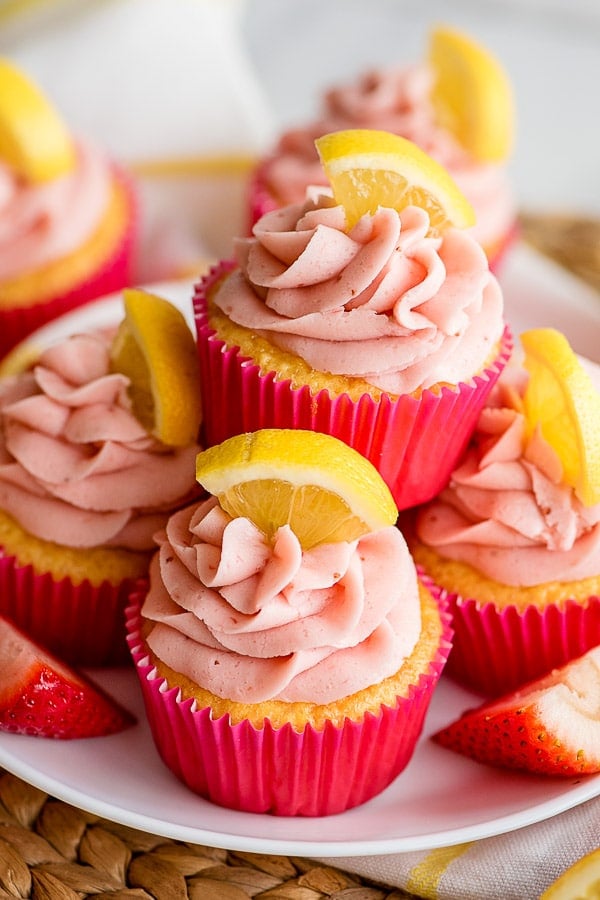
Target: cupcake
457,106
387,333
286,651
513,542
86,478
68,214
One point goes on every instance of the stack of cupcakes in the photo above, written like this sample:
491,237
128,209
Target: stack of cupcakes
287,661
388,333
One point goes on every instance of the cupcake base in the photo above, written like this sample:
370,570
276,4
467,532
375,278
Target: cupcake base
113,274
280,770
498,650
82,624
415,443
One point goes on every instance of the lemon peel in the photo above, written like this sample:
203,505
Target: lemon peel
155,348
321,487
33,140
471,95
368,168
561,398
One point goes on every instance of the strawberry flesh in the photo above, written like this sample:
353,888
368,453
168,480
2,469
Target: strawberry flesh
550,726
42,696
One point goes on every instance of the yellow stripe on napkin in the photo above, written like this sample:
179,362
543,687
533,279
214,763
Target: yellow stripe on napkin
425,877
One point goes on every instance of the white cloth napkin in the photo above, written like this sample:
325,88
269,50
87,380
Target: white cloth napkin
519,865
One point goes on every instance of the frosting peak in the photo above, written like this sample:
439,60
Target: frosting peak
395,99
251,620
507,511
384,302
76,466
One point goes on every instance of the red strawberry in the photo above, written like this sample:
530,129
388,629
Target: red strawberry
550,726
42,696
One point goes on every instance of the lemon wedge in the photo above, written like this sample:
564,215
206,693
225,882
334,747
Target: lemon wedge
322,488
155,348
33,139
581,881
368,169
471,95
561,398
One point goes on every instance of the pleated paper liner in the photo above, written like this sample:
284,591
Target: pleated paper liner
498,650
415,443
82,624
280,770
115,273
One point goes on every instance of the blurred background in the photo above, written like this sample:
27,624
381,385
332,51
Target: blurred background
549,48
189,93
152,78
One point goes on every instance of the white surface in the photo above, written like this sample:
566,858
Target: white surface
442,798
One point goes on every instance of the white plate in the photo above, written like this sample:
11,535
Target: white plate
440,799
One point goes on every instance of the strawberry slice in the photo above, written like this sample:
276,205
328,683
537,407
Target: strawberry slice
42,696
550,726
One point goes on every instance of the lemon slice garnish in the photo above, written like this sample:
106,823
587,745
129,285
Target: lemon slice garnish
368,169
580,881
33,140
322,488
561,398
155,348
472,95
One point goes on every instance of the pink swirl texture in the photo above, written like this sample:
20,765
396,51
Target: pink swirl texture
76,466
40,223
395,100
384,302
251,620
506,510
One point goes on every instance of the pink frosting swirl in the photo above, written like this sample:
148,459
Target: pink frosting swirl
384,302
395,100
76,466
251,620
40,223
506,511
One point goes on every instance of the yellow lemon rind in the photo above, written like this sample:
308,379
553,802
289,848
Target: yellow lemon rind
472,95
33,139
302,458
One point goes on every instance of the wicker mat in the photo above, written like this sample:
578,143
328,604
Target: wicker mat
52,851
572,241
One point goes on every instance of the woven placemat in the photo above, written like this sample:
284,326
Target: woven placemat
570,240
50,850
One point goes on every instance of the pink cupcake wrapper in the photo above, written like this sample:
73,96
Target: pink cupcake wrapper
414,443
115,273
279,770
497,650
82,624
260,198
